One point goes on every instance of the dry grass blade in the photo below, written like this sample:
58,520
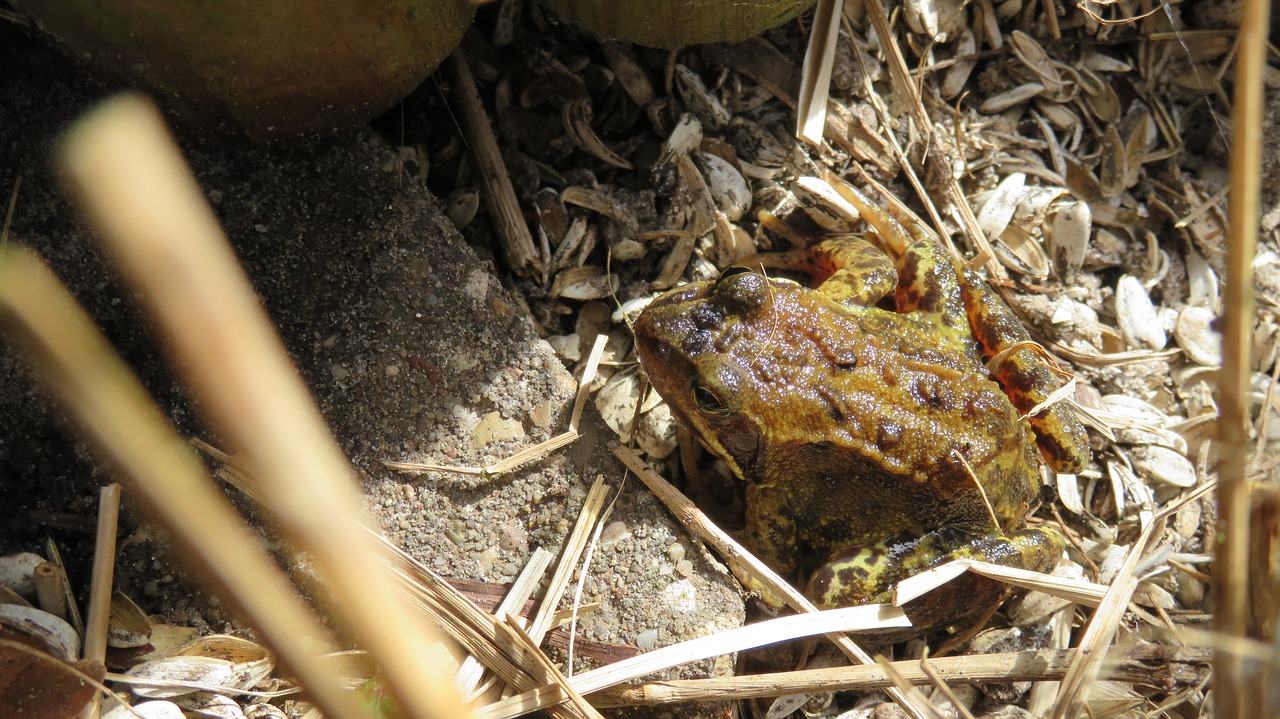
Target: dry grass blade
472,670
574,546
510,655
1080,592
815,81
104,564
691,517
909,690
906,89
1235,695
572,697
108,402
1105,622
1183,665
874,616
939,684
154,220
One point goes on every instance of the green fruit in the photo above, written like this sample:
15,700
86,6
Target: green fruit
268,67
675,24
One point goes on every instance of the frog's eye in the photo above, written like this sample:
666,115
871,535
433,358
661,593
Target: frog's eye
707,400
730,272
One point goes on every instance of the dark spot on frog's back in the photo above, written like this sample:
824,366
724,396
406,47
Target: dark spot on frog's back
930,393
931,301
908,269
707,316
888,434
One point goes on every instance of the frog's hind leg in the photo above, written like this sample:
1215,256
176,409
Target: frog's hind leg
867,574
927,287
1024,375
971,596
926,283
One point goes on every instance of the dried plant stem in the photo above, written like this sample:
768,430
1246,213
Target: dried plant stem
499,195
905,86
795,626
154,220
509,654
104,571
97,389
529,454
815,80
51,592
1234,694
1183,665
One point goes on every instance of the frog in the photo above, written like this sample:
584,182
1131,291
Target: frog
862,417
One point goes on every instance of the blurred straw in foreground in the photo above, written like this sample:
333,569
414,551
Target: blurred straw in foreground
134,186
113,410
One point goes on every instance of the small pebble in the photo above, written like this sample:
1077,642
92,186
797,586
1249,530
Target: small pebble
647,640
1137,317
614,532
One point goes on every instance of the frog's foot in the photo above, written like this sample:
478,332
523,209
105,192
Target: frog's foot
868,574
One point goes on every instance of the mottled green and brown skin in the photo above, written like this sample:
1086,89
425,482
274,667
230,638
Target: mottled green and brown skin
852,424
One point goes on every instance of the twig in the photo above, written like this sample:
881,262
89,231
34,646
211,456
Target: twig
499,195
735,640
1234,694
100,584
1134,664
530,454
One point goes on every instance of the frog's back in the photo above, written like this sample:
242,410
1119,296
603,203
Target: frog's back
867,410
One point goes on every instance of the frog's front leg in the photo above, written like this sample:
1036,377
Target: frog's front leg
862,575
772,535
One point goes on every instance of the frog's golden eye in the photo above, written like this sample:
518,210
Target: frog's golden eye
707,400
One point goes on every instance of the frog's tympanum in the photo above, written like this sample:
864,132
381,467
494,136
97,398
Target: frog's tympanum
874,439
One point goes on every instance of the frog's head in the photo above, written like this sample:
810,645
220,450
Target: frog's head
687,341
